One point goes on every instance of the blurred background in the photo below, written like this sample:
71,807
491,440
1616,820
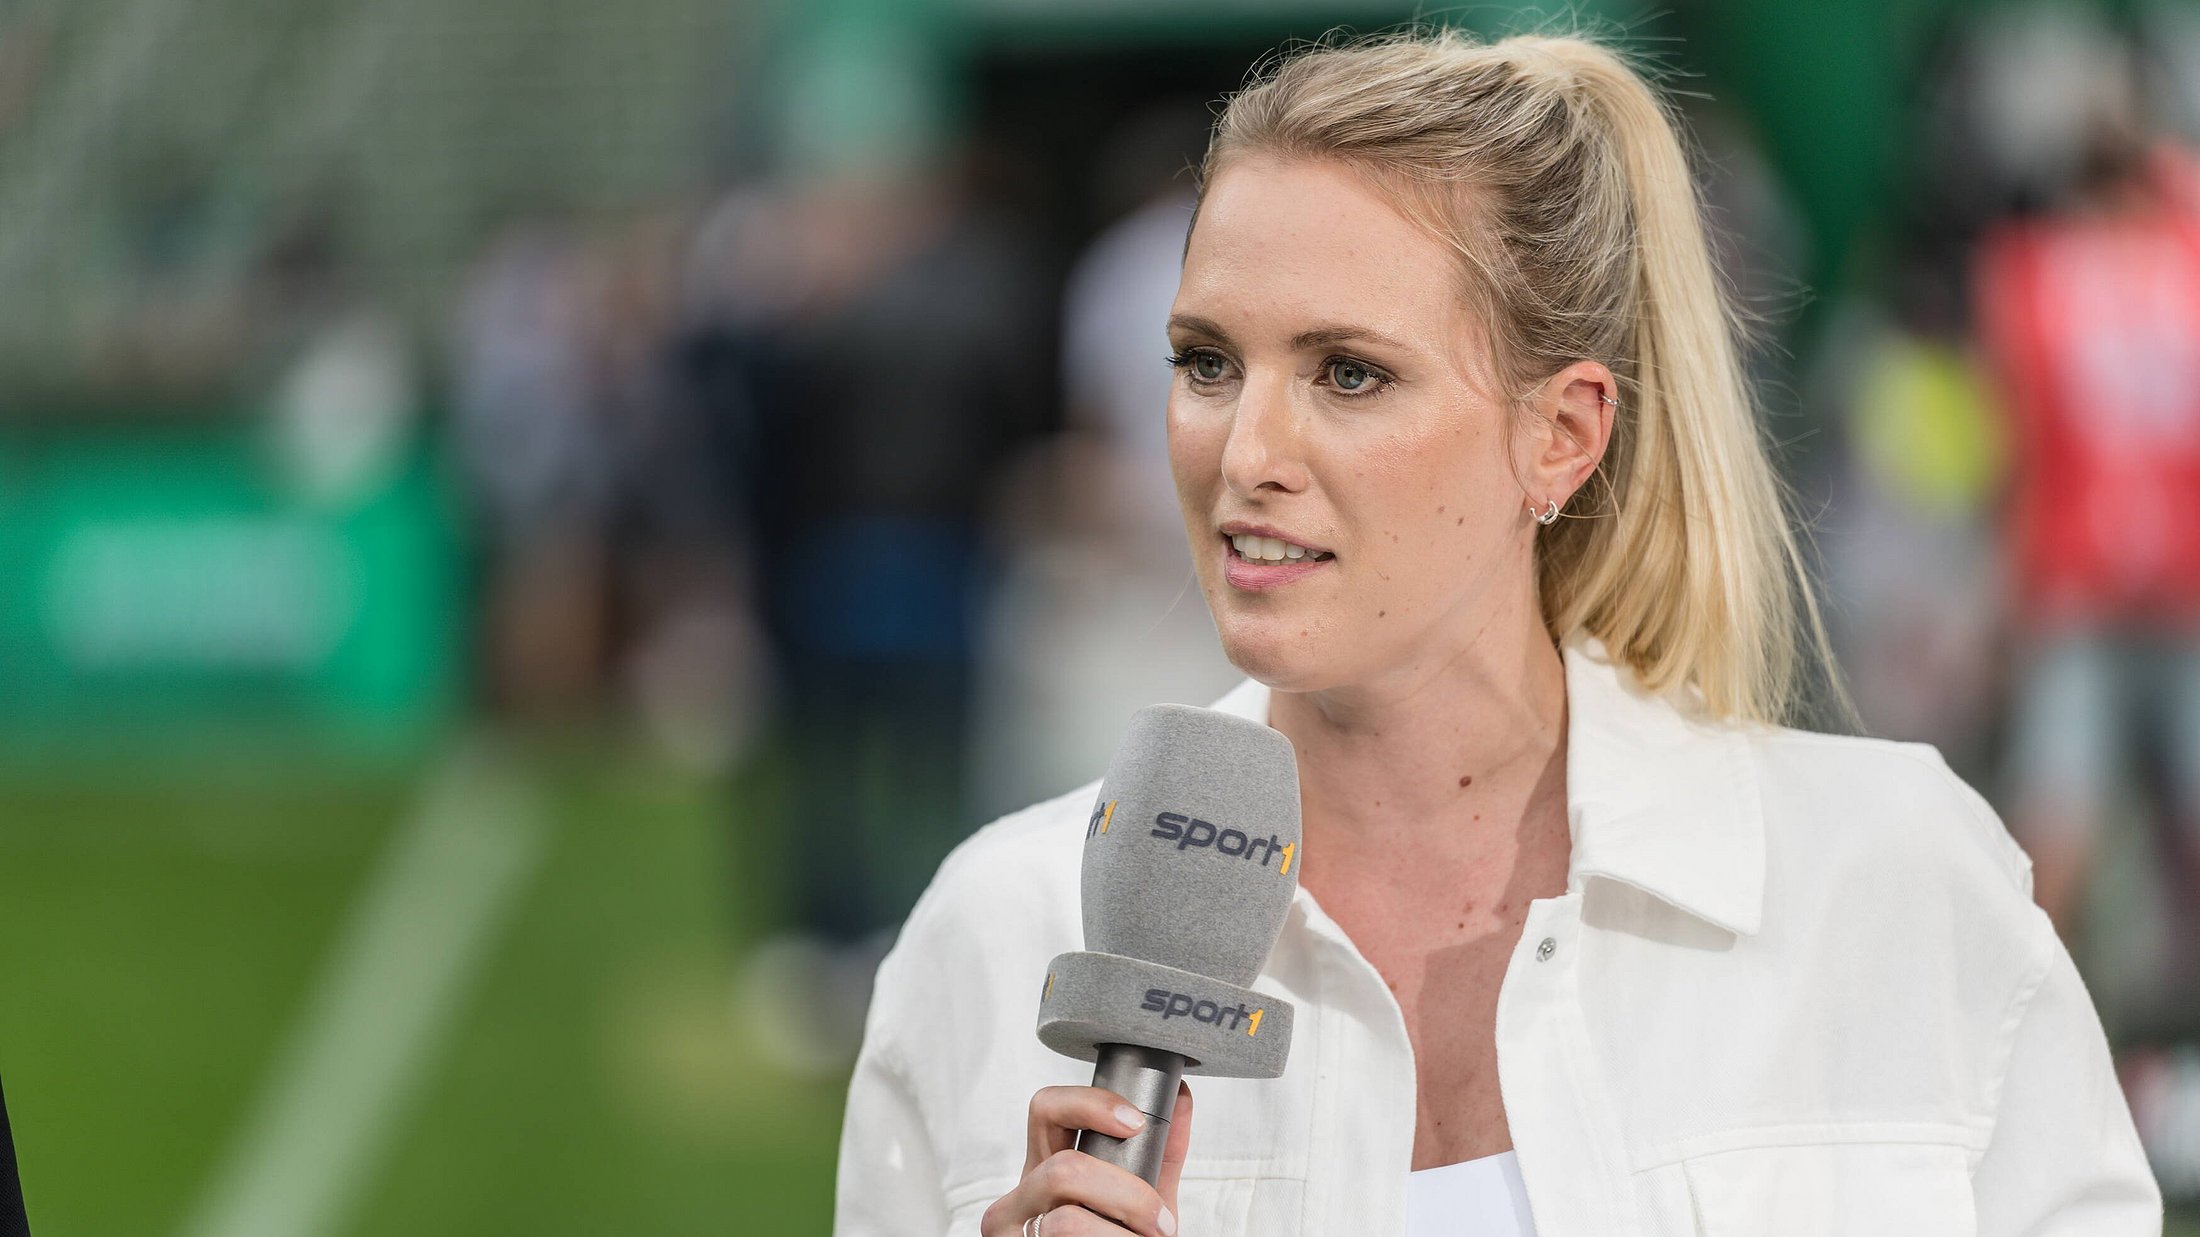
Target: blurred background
527,527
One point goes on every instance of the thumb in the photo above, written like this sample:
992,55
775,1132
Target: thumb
1180,1140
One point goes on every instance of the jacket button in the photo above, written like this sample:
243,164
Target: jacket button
1543,951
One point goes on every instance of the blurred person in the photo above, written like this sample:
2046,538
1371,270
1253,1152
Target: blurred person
530,441
2090,318
345,409
1114,305
1912,560
1920,449
682,637
1586,941
1094,554
909,364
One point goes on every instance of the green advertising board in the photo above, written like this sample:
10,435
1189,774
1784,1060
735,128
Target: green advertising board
159,580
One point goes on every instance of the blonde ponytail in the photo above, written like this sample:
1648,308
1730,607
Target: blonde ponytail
1558,177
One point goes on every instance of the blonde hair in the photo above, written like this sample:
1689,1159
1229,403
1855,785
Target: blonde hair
1557,175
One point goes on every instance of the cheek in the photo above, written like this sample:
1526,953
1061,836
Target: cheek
1456,468
1443,499
1195,450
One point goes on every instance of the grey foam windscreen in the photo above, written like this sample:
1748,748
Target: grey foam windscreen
1192,851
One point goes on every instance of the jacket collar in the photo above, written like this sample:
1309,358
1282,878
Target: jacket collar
1655,798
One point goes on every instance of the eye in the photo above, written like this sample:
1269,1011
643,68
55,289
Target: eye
1205,365
1357,378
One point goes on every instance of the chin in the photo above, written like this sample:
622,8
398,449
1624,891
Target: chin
1275,654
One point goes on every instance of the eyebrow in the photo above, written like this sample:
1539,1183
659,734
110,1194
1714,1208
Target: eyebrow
1314,337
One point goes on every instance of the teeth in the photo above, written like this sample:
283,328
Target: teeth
1269,549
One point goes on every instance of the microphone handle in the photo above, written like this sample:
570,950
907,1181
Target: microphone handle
1147,1077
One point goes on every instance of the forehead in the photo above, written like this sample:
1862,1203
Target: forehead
1279,243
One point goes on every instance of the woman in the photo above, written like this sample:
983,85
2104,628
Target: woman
1585,942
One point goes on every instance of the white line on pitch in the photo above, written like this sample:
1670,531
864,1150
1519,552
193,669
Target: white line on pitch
393,983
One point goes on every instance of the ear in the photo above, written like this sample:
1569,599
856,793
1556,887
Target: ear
1572,426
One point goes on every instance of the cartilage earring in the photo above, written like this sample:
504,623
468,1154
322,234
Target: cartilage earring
1609,400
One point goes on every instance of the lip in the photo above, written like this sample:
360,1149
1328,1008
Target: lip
1261,577
1237,528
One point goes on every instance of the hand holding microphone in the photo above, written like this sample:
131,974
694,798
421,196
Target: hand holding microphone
1060,1182
1191,861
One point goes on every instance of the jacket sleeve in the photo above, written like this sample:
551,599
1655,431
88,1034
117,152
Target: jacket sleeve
2064,1159
889,1178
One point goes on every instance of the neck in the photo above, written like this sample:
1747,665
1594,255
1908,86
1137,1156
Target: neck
1462,754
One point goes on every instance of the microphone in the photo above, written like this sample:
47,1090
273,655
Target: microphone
1191,859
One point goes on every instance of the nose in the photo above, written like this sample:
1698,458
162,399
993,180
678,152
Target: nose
1265,450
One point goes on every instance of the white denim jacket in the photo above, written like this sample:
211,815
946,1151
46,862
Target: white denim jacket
1796,986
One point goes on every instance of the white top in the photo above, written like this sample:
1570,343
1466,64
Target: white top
1795,984
1474,1198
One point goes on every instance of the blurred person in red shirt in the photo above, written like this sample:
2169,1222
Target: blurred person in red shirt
2089,318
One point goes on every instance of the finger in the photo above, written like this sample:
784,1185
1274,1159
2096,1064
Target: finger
1057,1113
1010,1216
1113,1194
1179,1145
1068,1220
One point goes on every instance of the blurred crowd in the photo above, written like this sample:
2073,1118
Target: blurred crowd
848,474
861,473
2012,533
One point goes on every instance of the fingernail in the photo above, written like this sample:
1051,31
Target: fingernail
1130,1116
1168,1223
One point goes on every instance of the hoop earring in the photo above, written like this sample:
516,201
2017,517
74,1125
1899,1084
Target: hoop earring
1546,517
